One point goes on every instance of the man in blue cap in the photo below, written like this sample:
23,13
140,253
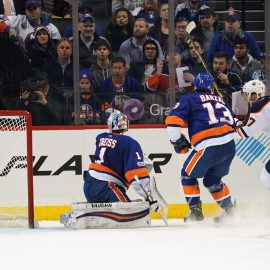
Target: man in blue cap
87,39
224,41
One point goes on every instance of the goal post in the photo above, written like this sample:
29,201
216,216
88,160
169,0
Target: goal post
16,169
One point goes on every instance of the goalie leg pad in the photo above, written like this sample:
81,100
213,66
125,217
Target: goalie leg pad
108,215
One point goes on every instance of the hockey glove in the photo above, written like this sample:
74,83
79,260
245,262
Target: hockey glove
182,145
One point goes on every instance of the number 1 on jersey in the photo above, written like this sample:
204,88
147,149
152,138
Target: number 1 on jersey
101,155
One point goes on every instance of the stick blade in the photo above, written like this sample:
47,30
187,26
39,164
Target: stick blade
190,26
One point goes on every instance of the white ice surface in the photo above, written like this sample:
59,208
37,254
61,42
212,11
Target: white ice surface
240,245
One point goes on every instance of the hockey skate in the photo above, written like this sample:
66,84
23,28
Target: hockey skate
227,214
195,214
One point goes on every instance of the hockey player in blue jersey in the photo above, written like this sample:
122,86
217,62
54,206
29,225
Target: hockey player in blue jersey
211,131
259,119
118,159
118,163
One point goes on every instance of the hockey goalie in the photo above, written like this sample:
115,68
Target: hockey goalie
118,163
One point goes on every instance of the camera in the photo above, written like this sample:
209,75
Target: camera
32,86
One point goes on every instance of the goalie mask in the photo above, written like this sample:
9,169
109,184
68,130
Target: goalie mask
117,122
254,90
203,82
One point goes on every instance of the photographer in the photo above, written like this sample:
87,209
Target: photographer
227,80
44,103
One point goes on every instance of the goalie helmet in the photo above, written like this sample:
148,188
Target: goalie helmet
203,82
254,87
117,122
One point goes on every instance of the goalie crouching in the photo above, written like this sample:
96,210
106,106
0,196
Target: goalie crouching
118,163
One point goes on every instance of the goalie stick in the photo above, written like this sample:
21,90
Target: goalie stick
155,196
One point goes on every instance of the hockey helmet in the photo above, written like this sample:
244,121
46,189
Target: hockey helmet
117,122
254,86
203,82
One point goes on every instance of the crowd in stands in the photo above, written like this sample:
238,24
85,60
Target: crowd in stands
128,60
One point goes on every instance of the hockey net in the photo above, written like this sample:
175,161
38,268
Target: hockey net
16,170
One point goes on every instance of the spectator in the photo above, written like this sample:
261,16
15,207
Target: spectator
102,68
227,80
120,29
11,8
60,70
148,11
82,10
24,25
194,62
57,8
118,83
131,49
242,62
159,80
181,36
41,49
224,41
87,40
142,70
129,4
260,73
44,103
88,102
207,28
160,31
190,10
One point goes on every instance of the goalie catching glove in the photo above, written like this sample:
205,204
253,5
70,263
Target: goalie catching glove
142,187
182,145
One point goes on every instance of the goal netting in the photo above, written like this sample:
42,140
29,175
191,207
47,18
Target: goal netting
16,170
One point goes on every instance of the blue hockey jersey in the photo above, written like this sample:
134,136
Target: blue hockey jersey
208,119
118,158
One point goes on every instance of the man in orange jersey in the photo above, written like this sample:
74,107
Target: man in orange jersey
211,130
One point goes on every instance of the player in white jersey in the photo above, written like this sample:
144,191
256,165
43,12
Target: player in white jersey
259,120
23,26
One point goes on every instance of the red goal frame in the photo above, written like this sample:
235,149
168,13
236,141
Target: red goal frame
30,187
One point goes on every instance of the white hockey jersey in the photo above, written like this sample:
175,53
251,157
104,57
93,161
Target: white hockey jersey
259,119
25,29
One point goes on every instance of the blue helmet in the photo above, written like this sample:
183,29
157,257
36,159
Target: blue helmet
203,82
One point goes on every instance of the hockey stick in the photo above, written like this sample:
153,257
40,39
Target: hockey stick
159,199
189,28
